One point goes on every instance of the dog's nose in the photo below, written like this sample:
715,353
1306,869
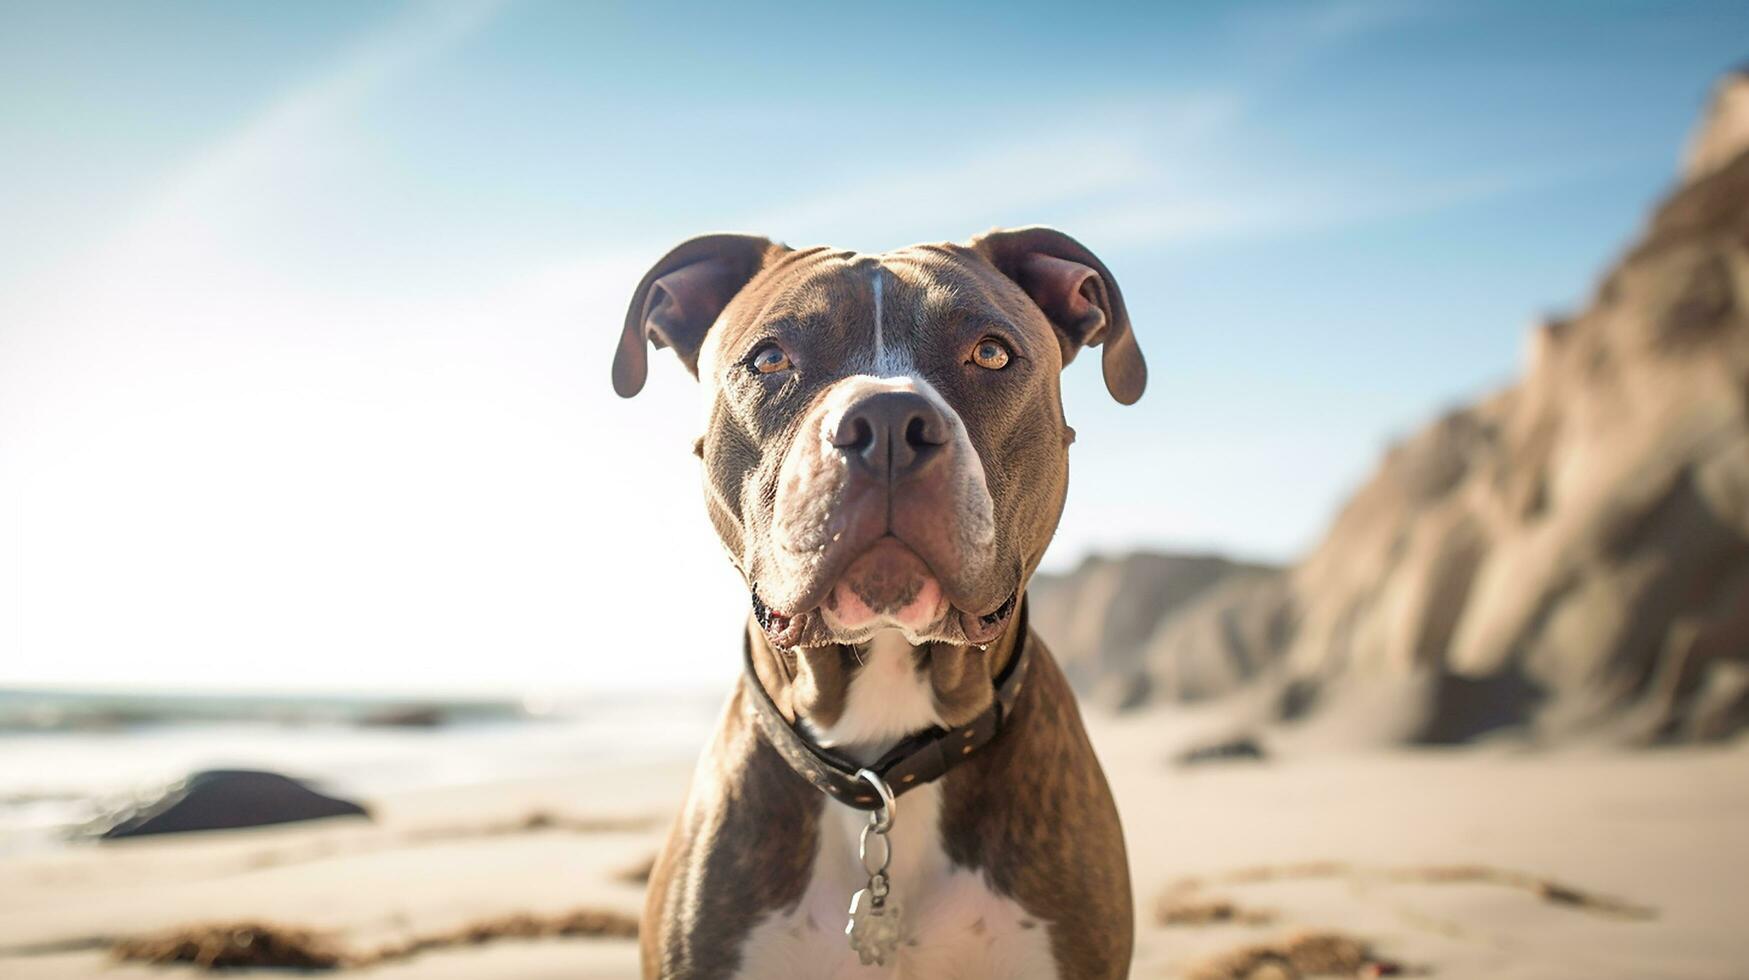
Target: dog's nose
892,433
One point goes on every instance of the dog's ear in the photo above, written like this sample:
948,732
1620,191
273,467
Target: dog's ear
680,297
1077,294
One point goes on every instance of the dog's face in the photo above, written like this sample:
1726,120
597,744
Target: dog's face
885,444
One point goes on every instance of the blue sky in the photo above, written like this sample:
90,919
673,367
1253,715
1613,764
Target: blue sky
306,309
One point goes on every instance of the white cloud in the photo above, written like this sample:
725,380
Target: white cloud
1263,208
1173,168
215,192
896,209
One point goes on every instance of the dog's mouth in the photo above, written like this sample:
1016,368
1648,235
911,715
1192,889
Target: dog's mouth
783,629
886,587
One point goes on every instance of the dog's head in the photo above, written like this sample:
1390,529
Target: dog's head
885,443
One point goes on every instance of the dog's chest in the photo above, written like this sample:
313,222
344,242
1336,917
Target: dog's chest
953,926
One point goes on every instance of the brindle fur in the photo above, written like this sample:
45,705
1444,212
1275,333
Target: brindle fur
1032,810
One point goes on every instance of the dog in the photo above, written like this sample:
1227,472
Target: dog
901,784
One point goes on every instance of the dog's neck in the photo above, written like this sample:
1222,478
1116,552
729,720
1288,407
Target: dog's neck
863,699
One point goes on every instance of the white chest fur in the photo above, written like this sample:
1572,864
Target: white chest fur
953,925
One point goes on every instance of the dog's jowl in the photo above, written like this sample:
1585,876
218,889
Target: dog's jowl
900,785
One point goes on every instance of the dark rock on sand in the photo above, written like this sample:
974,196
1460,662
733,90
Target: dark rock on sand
1240,748
406,716
224,799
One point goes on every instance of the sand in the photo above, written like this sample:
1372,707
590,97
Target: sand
1484,862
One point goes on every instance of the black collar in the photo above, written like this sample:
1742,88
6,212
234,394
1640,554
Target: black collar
919,759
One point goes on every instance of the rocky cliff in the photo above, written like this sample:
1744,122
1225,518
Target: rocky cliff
1724,132
1568,555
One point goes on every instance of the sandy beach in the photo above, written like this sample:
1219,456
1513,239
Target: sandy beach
1483,862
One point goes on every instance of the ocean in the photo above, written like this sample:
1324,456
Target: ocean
67,759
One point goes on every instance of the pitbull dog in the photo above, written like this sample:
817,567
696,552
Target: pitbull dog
885,459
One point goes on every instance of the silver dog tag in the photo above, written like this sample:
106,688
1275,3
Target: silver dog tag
874,925
874,916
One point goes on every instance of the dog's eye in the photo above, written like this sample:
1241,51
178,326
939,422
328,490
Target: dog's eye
768,359
991,354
